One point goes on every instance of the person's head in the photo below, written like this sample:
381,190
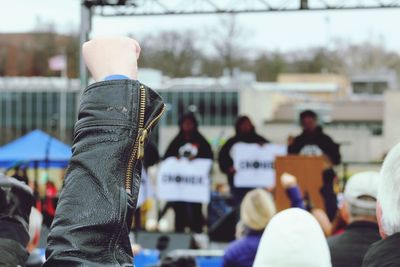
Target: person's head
35,227
257,209
244,126
308,120
360,196
293,238
388,207
188,123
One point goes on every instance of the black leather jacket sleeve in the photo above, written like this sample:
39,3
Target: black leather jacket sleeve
99,196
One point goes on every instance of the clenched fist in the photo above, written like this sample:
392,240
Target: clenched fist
109,56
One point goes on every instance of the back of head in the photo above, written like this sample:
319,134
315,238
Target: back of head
388,192
257,209
293,238
360,194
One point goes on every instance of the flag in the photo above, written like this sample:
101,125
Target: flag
58,63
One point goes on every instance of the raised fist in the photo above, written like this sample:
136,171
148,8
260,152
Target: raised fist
109,56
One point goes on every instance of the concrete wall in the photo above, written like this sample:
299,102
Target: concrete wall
259,105
391,123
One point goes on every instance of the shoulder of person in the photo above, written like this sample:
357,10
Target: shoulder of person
236,247
231,141
334,240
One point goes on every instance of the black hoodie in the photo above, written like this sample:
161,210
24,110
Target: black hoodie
197,140
320,139
224,158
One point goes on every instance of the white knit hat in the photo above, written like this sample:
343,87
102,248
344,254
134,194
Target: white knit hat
293,238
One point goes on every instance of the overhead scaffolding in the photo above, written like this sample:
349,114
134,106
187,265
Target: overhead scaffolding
112,8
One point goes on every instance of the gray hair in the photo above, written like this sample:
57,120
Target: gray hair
388,192
356,211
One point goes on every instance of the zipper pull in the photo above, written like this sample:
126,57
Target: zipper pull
142,141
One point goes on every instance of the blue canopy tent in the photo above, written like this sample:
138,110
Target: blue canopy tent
35,149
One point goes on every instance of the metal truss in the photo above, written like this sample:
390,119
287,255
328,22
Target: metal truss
111,8
191,7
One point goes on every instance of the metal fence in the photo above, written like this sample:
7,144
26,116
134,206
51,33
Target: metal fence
45,103
37,103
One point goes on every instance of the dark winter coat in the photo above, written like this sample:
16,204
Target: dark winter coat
197,140
320,139
349,248
384,253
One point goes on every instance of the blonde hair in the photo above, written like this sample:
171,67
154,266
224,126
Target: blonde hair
388,192
257,209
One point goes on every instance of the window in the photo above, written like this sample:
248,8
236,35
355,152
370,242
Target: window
212,108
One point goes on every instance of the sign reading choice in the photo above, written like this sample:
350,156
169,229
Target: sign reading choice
184,180
254,164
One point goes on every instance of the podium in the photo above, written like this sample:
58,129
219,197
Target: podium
308,171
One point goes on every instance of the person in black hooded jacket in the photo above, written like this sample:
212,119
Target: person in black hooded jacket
189,134
246,133
313,141
188,143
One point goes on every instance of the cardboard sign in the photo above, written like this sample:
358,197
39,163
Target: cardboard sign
254,164
184,180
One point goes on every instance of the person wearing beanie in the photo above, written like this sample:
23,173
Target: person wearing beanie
293,238
358,210
256,211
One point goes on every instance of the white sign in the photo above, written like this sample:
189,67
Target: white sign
184,180
146,189
255,164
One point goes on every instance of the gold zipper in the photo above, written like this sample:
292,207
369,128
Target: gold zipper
138,146
145,132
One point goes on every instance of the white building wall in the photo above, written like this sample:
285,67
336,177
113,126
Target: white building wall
259,105
391,124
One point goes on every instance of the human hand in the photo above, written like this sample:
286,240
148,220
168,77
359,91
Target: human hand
288,180
111,55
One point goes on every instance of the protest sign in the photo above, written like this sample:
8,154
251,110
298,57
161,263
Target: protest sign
254,164
184,180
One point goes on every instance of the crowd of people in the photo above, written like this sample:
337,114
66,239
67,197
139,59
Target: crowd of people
97,204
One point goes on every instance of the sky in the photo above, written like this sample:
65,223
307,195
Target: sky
262,31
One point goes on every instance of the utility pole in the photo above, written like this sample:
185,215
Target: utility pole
86,27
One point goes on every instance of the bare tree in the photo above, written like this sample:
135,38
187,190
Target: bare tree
227,43
175,53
